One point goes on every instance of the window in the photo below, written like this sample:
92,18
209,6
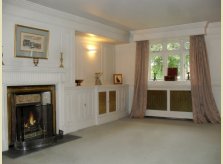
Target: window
169,53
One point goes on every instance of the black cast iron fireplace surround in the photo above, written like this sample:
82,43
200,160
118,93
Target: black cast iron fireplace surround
31,116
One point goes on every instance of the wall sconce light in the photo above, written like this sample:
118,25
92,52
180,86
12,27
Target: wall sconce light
91,50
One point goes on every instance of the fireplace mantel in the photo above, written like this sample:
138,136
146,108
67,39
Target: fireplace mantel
32,75
20,76
6,69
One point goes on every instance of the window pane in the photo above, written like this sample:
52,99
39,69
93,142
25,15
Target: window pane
187,45
173,46
174,62
157,67
156,47
187,65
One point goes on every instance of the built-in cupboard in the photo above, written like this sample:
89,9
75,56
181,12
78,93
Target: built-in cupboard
86,106
111,102
169,99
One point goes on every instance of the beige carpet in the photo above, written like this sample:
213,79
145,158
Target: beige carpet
127,141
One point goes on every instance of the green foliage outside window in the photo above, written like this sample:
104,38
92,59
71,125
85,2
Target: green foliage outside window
157,67
169,54
187,64
156,47
187,45
173,46
174,62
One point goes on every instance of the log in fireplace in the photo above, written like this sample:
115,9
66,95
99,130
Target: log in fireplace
31,116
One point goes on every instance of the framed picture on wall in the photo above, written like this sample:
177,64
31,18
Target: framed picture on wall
117,78
31,42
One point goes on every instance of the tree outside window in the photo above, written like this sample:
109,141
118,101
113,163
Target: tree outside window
169,54
157,67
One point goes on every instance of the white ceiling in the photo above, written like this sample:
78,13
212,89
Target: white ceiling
140,14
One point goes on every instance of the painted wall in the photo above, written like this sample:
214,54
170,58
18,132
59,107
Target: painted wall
125,64
213,43
125,55
108,63
89,62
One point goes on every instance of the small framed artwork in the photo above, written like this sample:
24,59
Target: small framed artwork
31,42
117,78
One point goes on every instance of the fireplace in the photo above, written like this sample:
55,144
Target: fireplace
31,116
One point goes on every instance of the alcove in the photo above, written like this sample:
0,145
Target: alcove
94,54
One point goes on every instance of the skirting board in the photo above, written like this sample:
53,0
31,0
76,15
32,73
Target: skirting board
110,117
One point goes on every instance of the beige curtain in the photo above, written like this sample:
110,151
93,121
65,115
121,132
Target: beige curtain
141,80
204,106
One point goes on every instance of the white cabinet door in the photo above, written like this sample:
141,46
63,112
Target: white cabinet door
79,109
112,102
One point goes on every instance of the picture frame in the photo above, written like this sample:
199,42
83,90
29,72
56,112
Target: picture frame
117,78
31,42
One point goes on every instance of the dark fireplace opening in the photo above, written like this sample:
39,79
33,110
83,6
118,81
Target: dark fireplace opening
34,122
31,116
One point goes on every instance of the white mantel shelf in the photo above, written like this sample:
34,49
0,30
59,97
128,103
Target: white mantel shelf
33,69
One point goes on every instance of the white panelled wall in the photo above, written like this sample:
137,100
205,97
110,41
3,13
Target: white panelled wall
100,60
125,64
87,63
75,106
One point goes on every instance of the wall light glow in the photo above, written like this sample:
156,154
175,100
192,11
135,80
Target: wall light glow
91,54
91,47
91,51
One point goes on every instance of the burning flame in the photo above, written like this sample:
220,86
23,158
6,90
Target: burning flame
31,121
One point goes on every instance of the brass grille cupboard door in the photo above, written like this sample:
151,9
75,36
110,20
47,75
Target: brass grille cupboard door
180,101
169,100
102,102
112,101
157,100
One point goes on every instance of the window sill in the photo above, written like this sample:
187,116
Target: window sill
178,85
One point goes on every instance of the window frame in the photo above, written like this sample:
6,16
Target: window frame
182,52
